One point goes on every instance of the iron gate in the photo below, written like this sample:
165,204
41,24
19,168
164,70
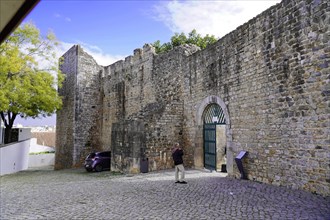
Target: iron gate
213,116
210,149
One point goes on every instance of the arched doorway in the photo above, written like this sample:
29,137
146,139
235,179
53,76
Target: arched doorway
214,138
222,133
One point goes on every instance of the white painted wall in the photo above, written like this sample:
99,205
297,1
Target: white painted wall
2,132
36,148
14,157
41,160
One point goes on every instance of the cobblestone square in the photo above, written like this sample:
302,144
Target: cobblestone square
76,194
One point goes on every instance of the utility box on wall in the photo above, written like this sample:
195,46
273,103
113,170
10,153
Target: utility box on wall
24,134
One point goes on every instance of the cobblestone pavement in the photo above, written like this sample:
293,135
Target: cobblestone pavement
76,194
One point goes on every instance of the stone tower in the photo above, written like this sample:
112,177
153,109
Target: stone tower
78,121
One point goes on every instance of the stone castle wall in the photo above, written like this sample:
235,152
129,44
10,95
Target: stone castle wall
273,75
270,77
143,101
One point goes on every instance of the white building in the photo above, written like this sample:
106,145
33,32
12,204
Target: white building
2,132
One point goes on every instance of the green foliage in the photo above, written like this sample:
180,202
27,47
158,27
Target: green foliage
44,152
181,39
27,68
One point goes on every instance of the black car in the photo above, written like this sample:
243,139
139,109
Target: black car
98,161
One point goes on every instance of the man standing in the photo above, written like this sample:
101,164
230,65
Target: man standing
177,154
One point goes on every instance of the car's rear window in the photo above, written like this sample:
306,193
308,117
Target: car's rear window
105,154
91,155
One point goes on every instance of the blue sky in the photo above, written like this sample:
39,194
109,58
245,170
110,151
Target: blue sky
110,30
108,27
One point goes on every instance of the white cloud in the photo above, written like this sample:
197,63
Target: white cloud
59,16
209,17
100,57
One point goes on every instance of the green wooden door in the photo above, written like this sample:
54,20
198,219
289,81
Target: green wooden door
210,149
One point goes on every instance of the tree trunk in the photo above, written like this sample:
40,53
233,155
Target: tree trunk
9,122
7,138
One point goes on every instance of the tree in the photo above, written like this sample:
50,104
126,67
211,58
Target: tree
180,39
29,76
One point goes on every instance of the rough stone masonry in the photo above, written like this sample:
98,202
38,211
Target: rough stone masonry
269,78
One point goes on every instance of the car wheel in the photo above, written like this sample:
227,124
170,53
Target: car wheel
98,168
89,170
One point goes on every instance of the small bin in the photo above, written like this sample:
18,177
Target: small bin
223,168
144,165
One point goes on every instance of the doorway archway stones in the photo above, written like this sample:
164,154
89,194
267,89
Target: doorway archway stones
198,157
